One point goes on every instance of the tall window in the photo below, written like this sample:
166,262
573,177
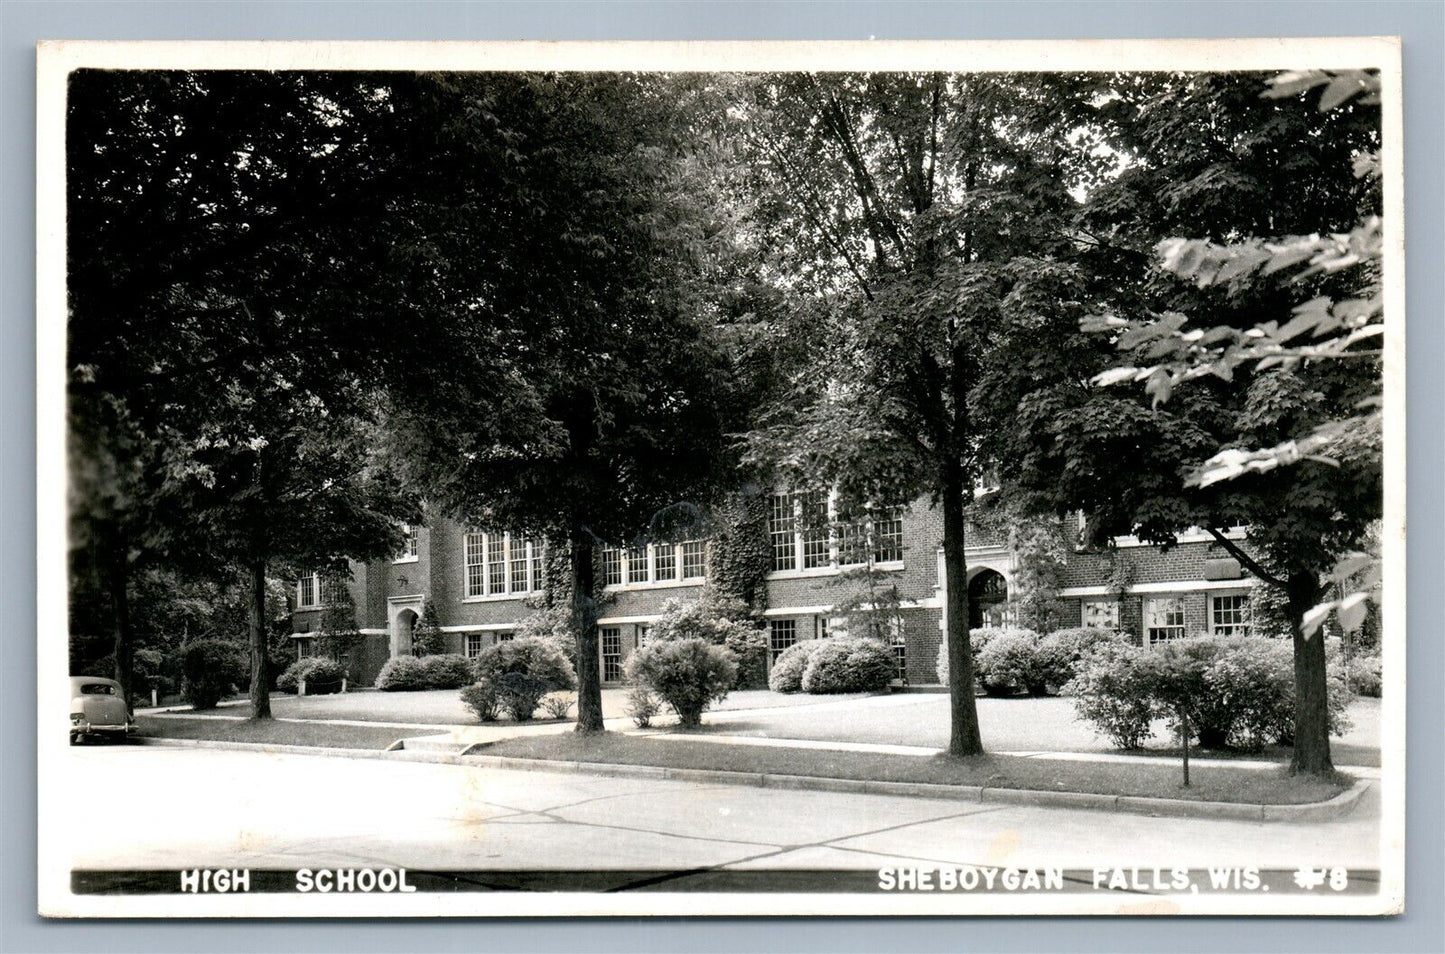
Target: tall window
476,554
694,560
539,574
637,564
1164,619
308,591
474,643
610,559
888,536
1229,615
664,562
611,654
781,524
1101,614
408,544
517,565
782,633
496,564
814,511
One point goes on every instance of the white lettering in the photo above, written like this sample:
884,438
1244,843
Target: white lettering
303,880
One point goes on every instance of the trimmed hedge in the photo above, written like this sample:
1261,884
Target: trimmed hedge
687,674
212,669
402,674
787,674
847,664
978,640
323,675
522,672
1058,654
446,671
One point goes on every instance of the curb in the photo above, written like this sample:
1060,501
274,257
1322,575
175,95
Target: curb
1328,810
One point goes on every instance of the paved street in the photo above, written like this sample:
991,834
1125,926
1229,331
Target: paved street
212,808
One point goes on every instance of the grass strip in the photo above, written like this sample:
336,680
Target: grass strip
317,734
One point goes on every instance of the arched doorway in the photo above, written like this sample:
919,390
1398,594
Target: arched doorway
987,592
401,629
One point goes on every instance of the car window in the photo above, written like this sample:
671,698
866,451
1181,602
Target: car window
96,689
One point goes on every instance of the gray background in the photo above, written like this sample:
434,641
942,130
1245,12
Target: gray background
1422,24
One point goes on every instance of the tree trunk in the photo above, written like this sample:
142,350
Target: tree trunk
256,623
1311,693
121,643
584,624
963,737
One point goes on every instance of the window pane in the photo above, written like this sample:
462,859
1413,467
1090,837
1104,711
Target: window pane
852,541
1230,615
664,558
1164,619
814,507
496,563
781,524
611,560
694,560
1101,615
637,564
408,542
475,564
888,536
517,557
539,575
782,633
611,654
308,596
474,644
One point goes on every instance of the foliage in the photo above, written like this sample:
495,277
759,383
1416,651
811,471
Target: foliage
321,674
721,621
552,623
1009,662
848,664
740,554
688,674
557,705
402,674
642,706
1113,691
482,699
523,671
427,638
212,669
1365,676
1057,655
1040,544
978,639
787,673
446,670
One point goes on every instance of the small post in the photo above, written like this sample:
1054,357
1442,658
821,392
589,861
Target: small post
343,683
1184,736
155,702
301,686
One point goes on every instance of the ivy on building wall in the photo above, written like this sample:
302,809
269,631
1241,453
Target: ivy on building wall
337,632
740,553
1040,545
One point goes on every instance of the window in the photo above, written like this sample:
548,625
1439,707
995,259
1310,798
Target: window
781,524
308,591
1164,619
611,560
476,544
539,574
1101,615
664,560
1229,615
852,541
611,654
506,637
305,648
473,644
643,632
782,633
888,536
408,544
517,565
694,560
900,658
814,511
496,564
637,564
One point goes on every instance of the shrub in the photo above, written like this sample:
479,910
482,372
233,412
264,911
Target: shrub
402,674
523,671
557,705
1113,689
427,638
722,622
1008,662
1365,676
552,623
787,674
848,664
1057,655
446,671
687,674
322,674
977,640
642,706
212,669
481,698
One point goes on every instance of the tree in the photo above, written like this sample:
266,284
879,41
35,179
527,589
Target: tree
560,229
1209,156
426,637
919,223
220,278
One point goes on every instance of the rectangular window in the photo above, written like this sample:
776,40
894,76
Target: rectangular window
782,633
517,565
852,535
308,590
305,648
782,524
637,564
506,637
474,643
496,564
476,555
611,654
643,632
694,560
610,559
1229,615
408,544
1101,614
1164,619
814,511
539,574
900,659
664,561
888,536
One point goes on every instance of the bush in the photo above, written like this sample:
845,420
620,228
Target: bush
482,699
848,664
787,674
523,671
687,674
977,640
1057,655
213,669
402,674
722,622
1113,691
322,674
446,671
557,705
1365,677
642,706
552,623
1008,662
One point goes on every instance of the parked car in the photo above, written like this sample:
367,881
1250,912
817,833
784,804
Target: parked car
98,709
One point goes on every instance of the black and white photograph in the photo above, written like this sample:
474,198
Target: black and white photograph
575,479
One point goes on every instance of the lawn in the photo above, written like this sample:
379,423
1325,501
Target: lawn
286,733
1158,780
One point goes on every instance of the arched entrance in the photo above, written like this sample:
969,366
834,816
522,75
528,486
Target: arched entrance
401,627
987,592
